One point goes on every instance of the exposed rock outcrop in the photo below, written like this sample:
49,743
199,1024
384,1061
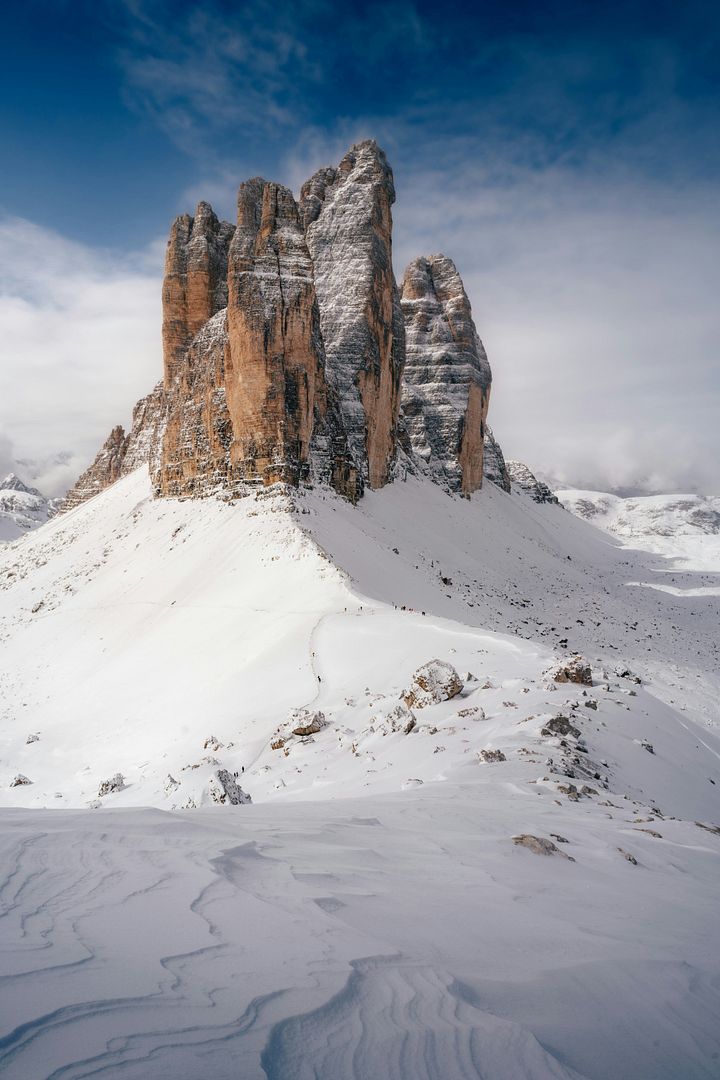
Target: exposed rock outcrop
347,217
275,362
522,478
105,470
284,347
121,453
494,467
195,283
447,377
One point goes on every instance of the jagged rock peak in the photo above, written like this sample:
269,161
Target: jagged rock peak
122,453
346,212
527,482
494,467
105,470
195,283
12,482
275,358
447,376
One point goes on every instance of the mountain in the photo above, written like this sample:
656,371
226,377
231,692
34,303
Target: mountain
21,508
367,768
291,355
682,527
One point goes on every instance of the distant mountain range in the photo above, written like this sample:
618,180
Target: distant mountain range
22,508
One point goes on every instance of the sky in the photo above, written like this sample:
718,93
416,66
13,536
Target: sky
565,155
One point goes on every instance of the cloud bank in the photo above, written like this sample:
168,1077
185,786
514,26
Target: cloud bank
80,333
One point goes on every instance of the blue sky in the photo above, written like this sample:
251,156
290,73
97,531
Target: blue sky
566,155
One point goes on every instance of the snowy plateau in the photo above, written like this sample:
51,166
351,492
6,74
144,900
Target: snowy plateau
516,881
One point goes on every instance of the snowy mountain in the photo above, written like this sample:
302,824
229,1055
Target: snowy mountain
686,527
373,761
446,892
21,508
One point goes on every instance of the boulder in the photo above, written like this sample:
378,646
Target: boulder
20,781
432,683
575,670
539,845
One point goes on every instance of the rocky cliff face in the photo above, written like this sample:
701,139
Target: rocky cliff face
195,283
284,343
447,378
121,453
527,482
494,467
248,401
347,217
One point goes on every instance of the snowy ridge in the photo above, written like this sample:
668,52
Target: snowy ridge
391,926
21,508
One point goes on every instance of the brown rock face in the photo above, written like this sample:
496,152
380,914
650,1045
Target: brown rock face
195,283
275,356
447,376
248,402
195,451
348,223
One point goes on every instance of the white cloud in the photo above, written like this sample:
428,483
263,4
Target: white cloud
80,343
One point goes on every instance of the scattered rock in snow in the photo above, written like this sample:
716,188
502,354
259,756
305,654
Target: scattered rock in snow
591,704
708,828
575,670
626,855
570,790
492,755
561,726
212,743
115,783
32,738
625,673
398,718
311,723
171,784
432,683
539,845
474,711
560,839
225,789
20,780
586,790
411,783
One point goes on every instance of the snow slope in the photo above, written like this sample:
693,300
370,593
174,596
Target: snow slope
369,914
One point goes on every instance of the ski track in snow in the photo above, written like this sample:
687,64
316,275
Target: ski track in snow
368,916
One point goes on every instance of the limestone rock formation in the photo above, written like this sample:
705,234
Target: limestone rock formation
194,458
346,213
248,402
105,470
447,377
122,453
195,283
284,342
494,467
526,481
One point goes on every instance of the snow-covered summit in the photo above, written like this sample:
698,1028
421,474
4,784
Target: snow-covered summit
21,508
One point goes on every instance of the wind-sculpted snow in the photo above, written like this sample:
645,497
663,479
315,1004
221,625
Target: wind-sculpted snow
406,937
